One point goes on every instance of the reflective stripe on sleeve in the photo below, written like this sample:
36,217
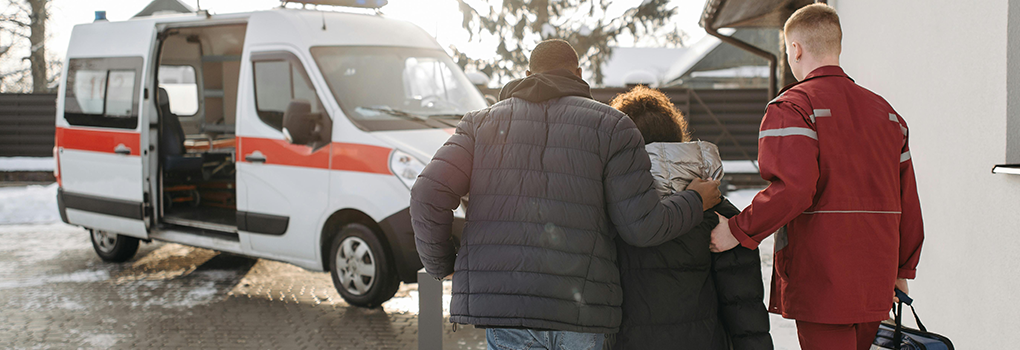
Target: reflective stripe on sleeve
788,132
905,156
819,113
892,118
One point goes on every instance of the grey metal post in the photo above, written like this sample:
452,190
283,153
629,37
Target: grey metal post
430,312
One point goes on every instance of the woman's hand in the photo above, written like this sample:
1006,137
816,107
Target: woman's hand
709,191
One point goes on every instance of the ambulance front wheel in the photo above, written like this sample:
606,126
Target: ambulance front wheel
112,247
361,267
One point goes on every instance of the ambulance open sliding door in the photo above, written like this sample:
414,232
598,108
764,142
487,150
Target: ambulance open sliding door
99,146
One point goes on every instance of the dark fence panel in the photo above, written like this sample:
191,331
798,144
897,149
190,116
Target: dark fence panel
738,112
27,124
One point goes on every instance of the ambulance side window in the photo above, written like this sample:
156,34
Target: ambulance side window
277,83
103,92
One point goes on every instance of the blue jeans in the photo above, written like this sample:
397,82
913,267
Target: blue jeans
526,339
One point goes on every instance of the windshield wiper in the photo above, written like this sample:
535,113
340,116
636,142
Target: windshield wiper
446,115
442,116
412,116
396,112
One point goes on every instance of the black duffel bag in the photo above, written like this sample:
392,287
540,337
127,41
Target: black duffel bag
894,336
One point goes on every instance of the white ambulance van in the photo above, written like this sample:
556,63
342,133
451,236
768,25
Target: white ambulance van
287,134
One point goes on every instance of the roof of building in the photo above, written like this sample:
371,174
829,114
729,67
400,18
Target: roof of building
749,13
708,54
640,65
164,6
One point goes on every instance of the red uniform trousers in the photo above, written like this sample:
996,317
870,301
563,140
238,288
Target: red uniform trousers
820,336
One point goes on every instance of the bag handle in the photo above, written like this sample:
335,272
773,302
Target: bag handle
904,299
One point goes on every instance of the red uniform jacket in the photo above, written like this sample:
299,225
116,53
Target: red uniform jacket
842,184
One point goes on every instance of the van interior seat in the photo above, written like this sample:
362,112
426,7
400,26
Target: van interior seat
171,142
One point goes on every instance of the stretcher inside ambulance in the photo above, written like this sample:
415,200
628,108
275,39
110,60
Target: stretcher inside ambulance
286,134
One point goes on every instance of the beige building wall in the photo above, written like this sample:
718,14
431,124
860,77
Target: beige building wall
943,65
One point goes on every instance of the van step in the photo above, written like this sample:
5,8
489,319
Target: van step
201,224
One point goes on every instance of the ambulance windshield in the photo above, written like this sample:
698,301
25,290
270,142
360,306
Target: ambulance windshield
394,88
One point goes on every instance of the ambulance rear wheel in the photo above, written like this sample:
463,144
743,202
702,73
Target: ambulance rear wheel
361,267
112,247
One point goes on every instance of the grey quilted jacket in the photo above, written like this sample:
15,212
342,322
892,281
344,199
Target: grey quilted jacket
554,177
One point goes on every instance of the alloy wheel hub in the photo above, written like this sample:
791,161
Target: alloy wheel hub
355,266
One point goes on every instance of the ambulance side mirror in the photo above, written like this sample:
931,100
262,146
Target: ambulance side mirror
302,127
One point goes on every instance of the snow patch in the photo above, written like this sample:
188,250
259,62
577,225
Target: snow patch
742,198
101,341
75,277
740,166
29,205
27,164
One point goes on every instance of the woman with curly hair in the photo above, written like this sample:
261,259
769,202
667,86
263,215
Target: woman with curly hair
678,295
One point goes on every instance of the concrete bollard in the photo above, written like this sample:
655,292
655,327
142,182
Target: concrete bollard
430,312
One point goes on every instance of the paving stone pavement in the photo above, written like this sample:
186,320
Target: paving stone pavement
56,293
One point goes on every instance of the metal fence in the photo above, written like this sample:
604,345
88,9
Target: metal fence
728,118
27,124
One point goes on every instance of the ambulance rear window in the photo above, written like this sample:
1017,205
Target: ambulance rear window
103,92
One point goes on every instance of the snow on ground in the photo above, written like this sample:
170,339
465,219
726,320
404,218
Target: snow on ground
26,164
29,205
34,207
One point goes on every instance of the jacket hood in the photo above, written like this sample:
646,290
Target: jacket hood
676,164
546,86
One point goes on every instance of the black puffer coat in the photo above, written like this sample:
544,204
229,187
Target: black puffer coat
679,292
554,177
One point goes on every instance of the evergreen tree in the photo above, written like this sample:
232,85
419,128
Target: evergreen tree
585,24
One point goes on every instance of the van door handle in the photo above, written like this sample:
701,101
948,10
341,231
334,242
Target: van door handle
255,157
121,149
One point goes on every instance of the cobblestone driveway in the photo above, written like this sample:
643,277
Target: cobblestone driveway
56,293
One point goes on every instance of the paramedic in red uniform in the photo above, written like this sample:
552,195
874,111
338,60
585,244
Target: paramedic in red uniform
842,188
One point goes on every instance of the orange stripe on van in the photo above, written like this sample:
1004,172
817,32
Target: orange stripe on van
97,140
345,156
281,152
361,158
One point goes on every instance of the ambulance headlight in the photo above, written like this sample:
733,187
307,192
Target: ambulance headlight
405,167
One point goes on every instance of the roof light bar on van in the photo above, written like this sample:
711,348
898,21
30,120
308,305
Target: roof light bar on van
371,4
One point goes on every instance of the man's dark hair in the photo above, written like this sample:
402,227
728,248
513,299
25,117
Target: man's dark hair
654,114
552,54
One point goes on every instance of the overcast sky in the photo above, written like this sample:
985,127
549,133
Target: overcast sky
441,18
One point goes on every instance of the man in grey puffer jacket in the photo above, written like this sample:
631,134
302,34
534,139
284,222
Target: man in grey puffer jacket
553,177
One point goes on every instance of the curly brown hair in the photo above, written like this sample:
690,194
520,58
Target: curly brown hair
653,112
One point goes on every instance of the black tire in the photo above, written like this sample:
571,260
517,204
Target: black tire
379,284
112,247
